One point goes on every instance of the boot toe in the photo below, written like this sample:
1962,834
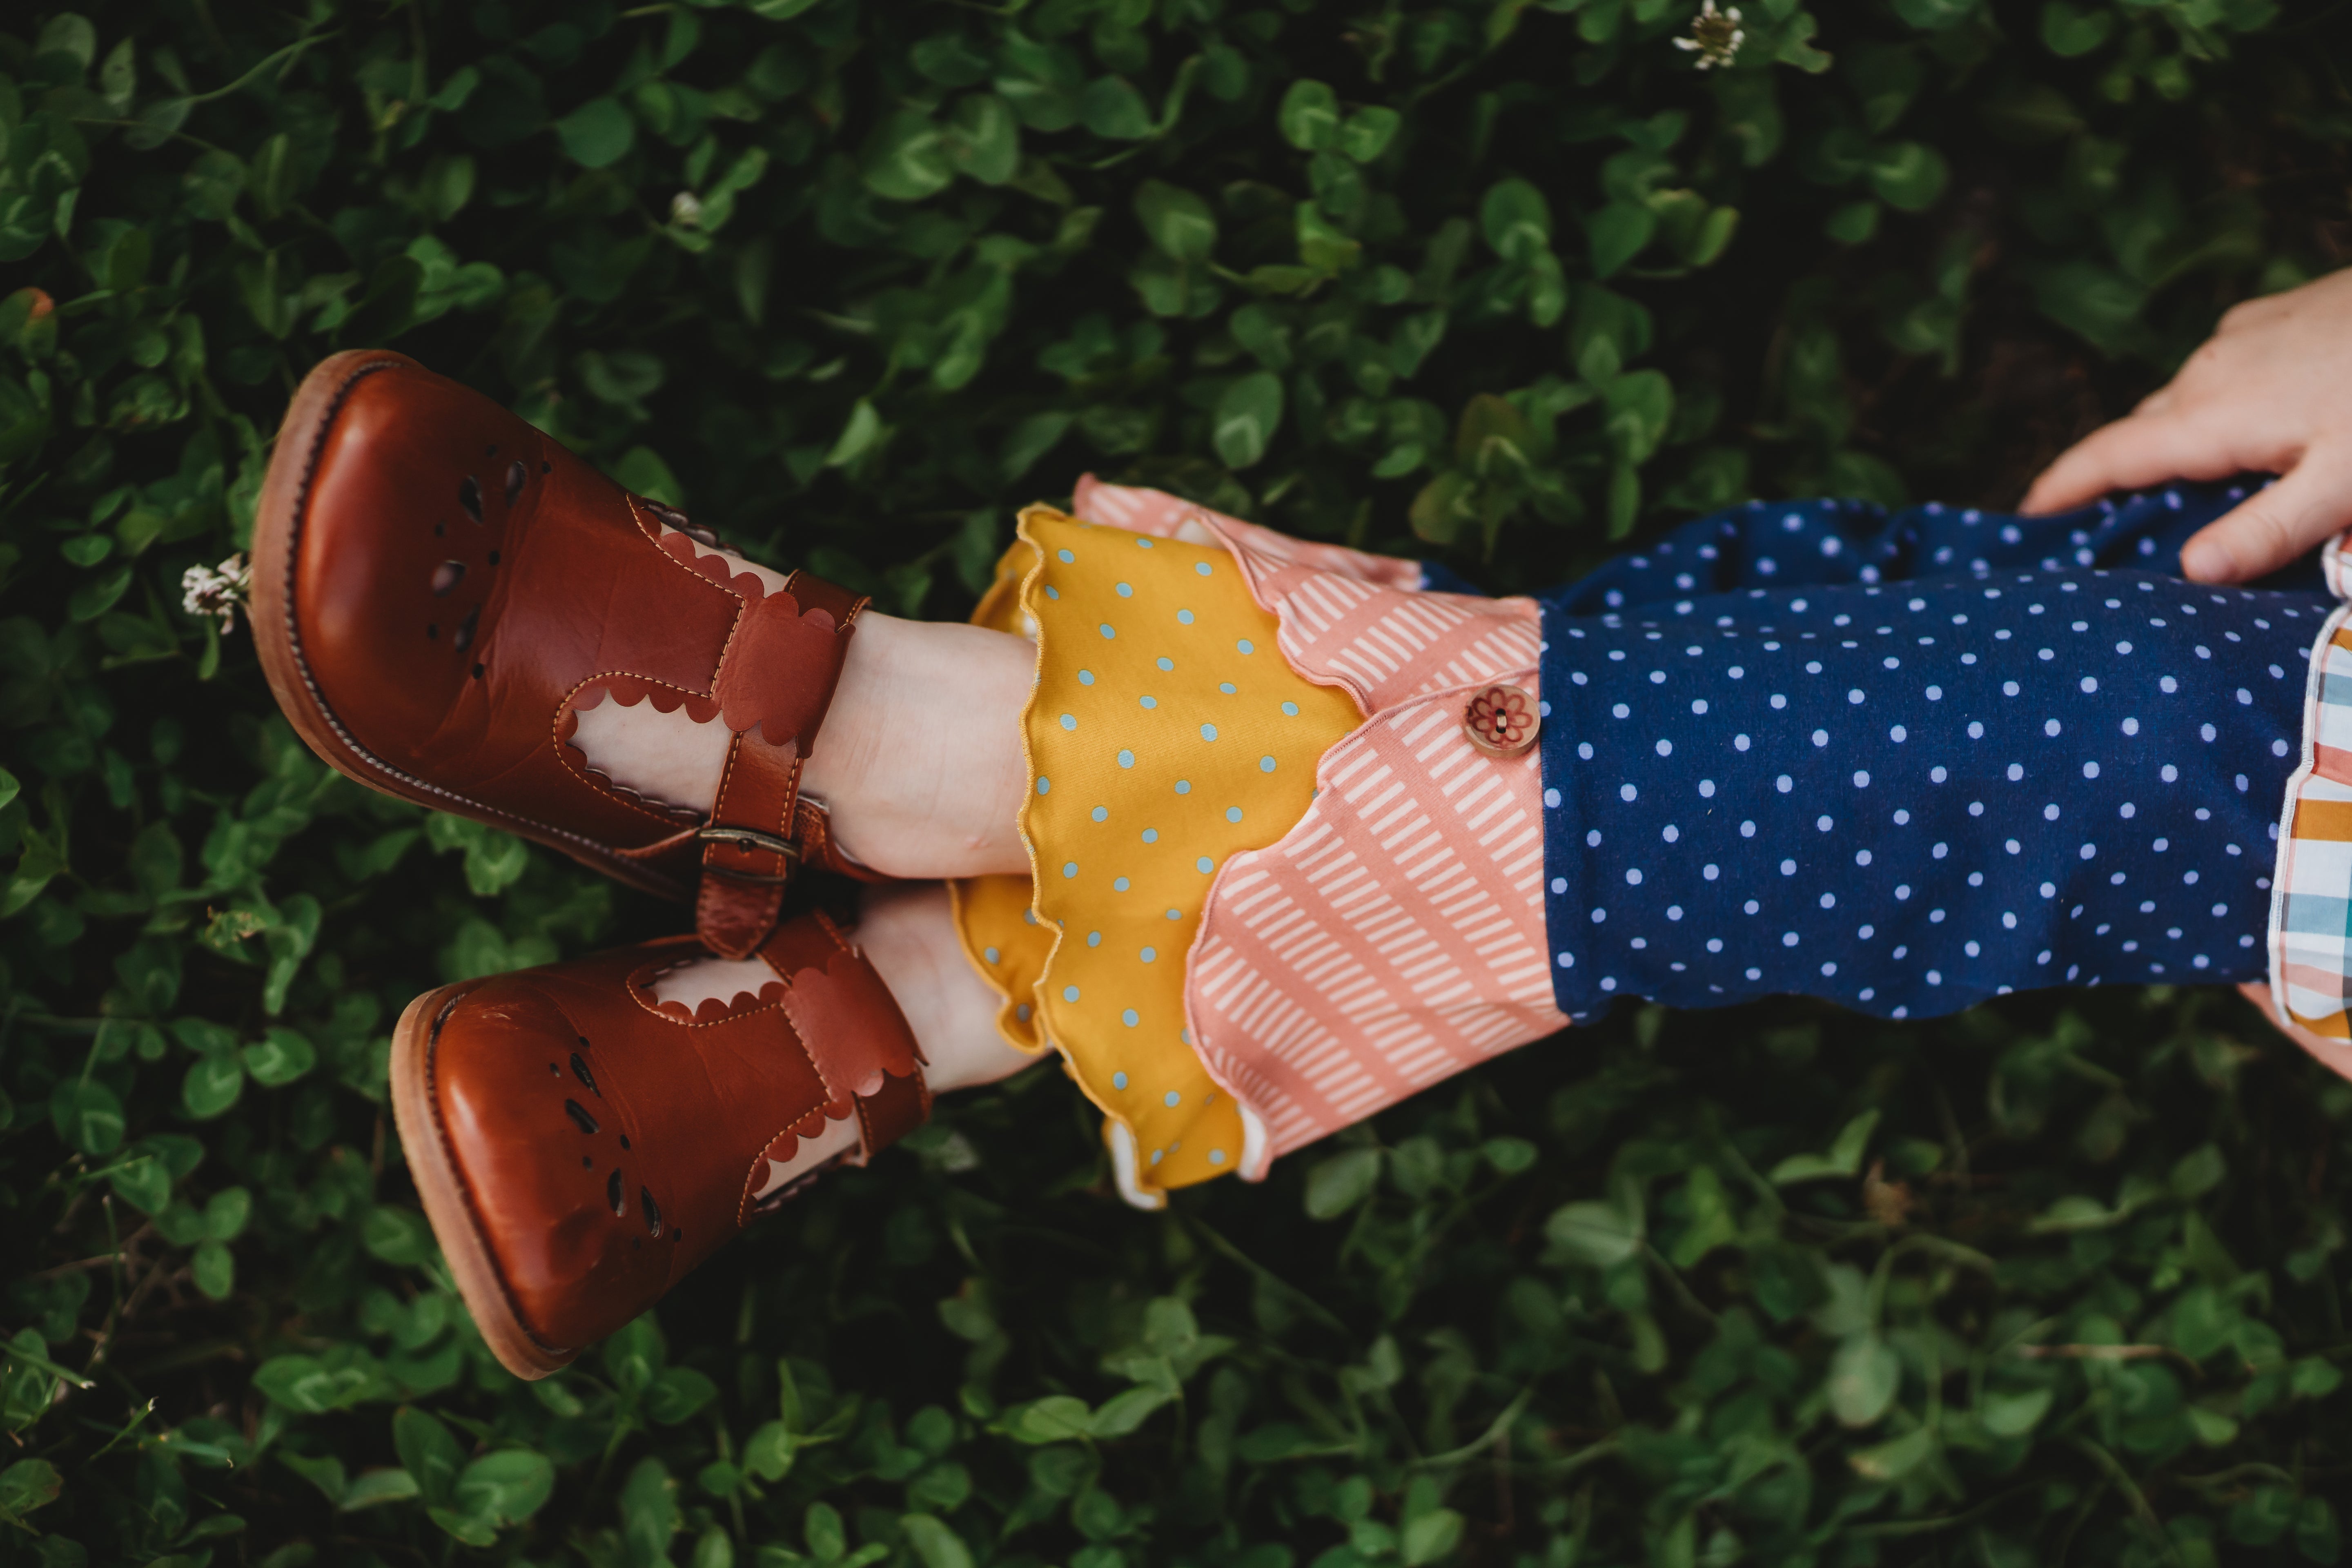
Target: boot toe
414,492
558,1195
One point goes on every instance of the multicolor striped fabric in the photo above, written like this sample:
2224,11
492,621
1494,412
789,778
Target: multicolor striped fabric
2311,898
1395,935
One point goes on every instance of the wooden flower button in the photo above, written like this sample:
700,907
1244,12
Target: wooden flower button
1501,721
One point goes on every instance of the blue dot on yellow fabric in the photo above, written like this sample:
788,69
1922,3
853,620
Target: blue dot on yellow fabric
1165,663
1183,618
1175,914
1125,759
1109,630
1094,939
1232,814
1064,556
1130,1017
1172,1097
1119,884
1069,721
1201,567
1204,864
1152,835
1087,677
1265,764
1148,954
1069,992
995,956
1290,710
1051,592
1245,646
1126,590
1183,786
1100,813
1118,1080
1208,732
1070,869
1226,687
1150,701
1044,784
1216,1156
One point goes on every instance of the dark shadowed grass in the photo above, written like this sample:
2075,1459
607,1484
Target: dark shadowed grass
1512,286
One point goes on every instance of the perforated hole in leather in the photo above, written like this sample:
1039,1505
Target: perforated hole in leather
652,1210
587,1123
616,1194
580,1070
465,637
446,576
517,477
469,496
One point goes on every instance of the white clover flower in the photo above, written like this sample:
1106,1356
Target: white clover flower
217,590
1714,36
686,208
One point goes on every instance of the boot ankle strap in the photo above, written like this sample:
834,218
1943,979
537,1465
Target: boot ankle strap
851,1029
758,828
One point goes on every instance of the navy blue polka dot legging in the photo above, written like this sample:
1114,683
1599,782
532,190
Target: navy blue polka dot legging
1909,761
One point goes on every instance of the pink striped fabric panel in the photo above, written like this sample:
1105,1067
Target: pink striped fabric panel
1395,935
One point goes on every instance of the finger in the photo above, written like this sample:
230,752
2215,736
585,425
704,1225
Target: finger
2148,448
2270,528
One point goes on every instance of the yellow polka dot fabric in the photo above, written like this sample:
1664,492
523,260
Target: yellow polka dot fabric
1164,734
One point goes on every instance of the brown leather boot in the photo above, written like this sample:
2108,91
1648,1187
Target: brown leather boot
580,1146
438,588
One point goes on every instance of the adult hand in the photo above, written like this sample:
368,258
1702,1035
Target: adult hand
2271,392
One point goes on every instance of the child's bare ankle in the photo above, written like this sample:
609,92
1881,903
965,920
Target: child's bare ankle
920,761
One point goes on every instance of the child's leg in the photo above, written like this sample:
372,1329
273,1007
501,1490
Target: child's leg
919,760
1907,798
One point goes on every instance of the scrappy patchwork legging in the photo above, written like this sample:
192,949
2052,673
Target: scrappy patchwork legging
1940,757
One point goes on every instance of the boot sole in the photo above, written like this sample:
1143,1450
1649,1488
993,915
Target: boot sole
277,538
449,1206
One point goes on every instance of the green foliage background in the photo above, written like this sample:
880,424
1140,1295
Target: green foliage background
2055,1281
